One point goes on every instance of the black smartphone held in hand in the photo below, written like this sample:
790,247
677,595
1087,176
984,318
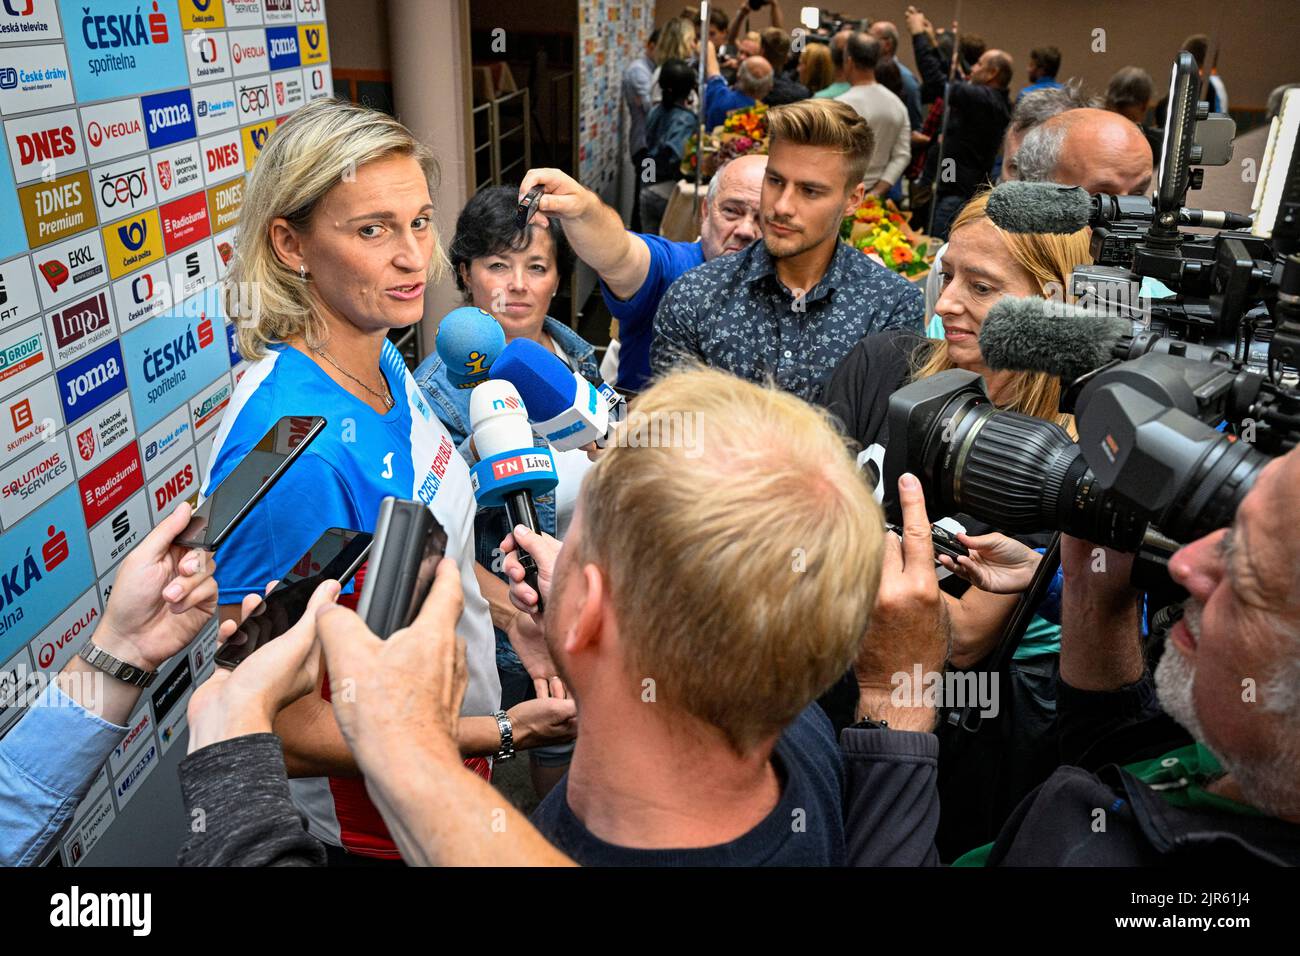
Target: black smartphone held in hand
944,541
528,207
409,543
336,555
232,500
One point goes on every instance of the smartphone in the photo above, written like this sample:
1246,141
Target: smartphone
336,555
528,206
232,500
944,541
409,543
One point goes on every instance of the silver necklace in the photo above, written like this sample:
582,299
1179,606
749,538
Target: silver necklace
386,399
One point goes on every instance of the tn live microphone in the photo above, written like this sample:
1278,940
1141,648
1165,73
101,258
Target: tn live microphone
566,409
511,470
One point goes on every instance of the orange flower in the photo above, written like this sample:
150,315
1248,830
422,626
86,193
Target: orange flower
903,253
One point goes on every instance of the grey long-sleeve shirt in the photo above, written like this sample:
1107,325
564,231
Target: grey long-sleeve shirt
237,800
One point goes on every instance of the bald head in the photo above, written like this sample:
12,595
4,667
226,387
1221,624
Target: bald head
754,78
1101,151
993,68
886,34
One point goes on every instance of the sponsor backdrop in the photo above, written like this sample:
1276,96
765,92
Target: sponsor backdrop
129,129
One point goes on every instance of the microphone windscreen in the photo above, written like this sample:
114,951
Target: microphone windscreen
1039,207
1034,335
469,341
546,384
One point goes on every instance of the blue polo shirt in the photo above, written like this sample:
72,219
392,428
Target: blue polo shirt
668,261
720,99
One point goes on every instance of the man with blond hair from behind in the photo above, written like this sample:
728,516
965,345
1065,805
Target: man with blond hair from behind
696,638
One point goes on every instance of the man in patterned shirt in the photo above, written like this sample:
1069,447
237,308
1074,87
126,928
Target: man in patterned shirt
790,307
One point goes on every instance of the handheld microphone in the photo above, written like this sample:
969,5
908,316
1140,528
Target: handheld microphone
567,410
510,469
469,341
1035,335
1018,206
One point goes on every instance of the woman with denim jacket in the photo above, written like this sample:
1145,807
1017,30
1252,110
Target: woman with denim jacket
513,277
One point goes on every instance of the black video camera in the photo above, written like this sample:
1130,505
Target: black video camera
1149,471
1229,286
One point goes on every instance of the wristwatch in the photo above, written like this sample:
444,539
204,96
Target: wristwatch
110,665
507,749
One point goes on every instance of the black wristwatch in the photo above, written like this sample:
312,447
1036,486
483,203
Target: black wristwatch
507,749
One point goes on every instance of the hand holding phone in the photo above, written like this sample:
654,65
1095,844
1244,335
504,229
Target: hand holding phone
409,543
336,555
266,462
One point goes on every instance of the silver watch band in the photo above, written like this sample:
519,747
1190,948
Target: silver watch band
120,670
507,749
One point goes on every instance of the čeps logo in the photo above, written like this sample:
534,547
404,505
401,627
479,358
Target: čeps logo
168,118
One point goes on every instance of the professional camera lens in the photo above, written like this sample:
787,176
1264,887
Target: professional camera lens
1023,474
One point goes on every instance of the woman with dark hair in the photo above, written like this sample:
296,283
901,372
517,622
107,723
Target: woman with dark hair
667,129
513,276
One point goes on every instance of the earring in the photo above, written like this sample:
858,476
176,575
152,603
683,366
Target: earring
302,271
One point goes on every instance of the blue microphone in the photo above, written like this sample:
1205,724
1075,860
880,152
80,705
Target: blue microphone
510,469
566,409
468,342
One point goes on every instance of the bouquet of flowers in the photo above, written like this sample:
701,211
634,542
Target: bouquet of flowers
880,229
743,131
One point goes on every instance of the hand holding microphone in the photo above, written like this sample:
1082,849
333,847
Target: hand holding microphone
511,470
541,549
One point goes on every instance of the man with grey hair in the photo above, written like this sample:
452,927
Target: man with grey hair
1034,109
753,82
1199,765
1101,151
635,270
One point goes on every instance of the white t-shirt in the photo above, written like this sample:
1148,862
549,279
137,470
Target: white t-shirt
887,117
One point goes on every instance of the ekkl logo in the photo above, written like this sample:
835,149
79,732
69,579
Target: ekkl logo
55,273
86,444
133,234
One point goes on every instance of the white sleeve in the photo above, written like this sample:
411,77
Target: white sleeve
901,154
